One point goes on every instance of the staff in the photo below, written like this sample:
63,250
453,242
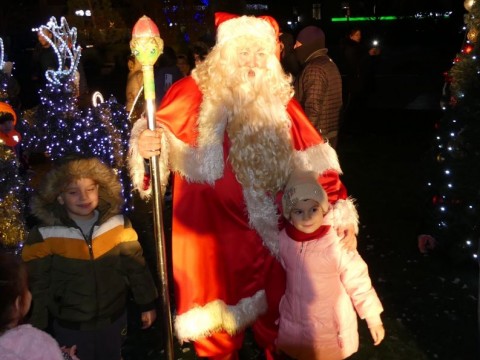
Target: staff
147,46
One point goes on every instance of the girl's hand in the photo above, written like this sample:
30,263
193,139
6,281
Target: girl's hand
378,334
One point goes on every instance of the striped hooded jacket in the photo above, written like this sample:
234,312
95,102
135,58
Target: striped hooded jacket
83,280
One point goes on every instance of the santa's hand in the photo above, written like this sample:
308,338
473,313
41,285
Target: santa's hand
149,143
348,239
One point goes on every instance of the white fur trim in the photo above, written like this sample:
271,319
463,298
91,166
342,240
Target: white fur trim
245,26
136,163
345,213
202,321
198,164
318,158
263,217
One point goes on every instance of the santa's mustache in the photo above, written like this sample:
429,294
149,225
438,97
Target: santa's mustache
251,74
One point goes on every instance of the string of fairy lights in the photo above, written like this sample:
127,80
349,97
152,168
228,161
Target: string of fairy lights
60,128
454,187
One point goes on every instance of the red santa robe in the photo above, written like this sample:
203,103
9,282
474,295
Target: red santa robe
224,237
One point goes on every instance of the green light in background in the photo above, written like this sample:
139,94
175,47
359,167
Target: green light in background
364,18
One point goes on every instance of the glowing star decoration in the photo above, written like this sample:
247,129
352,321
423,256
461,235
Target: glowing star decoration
146,45
64,43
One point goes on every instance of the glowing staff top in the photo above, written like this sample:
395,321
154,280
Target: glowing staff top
146,46
63,42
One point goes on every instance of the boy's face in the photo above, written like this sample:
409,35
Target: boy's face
80,199
307,216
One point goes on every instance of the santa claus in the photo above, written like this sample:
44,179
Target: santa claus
231,134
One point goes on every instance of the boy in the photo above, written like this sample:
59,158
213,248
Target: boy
83,257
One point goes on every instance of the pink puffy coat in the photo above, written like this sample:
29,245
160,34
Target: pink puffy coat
325,286
25,342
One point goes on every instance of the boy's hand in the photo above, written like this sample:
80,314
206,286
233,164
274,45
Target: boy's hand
70,352
148,317
378,333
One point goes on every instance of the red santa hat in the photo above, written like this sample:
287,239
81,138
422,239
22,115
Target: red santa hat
230,26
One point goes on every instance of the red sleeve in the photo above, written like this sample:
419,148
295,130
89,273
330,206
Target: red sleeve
179,109
304,134
334,188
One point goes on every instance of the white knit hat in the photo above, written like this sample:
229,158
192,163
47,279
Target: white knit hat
303,185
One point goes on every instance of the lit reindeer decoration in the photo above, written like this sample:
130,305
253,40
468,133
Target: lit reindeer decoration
64,42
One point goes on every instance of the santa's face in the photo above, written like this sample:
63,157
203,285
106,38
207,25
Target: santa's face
251,58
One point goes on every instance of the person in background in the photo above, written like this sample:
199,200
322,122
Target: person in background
83,258
44,58
184,64
358,62
287,55
318,88
19,340
230,135
8,135
166,72
327,285
199,50
134,83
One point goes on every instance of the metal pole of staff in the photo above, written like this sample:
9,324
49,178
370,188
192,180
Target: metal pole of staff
147,46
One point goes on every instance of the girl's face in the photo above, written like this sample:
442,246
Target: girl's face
80,199
25,303
22,302
307,216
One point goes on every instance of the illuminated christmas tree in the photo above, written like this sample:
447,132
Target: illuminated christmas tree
12,186
454,188
59,128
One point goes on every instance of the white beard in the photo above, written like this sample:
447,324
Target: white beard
259,132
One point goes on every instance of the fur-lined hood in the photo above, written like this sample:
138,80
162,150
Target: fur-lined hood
48,210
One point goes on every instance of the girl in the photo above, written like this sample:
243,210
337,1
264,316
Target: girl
326,284
18,340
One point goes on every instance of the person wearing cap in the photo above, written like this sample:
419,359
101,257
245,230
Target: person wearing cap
318,88
230,134
327,285
8,119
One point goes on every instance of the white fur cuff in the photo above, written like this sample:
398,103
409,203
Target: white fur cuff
345,213
215,316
